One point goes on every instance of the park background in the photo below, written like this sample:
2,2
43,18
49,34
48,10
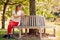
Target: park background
50,9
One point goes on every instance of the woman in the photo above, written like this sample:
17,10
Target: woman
16,17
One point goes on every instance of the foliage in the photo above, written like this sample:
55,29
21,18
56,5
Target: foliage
47,8
12,4
44,7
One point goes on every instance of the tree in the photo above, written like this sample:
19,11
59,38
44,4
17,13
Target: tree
3,16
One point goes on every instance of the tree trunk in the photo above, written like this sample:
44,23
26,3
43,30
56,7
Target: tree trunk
3,15
32,12
32,7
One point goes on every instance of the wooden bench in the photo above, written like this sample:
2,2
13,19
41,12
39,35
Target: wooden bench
34,22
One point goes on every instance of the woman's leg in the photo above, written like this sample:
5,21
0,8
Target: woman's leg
11,25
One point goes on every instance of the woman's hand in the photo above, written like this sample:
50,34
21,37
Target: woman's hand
16,16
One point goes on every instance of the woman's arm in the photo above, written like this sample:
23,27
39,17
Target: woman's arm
23,14
16,16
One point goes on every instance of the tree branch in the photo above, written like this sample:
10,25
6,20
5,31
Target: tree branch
2,1
14,3
10,3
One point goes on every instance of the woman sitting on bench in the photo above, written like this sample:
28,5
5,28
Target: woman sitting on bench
16,17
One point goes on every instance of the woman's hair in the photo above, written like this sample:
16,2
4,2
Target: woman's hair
19,5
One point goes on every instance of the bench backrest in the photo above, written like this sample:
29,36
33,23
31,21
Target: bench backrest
32,21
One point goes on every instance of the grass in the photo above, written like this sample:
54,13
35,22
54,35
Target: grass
4,38
3,32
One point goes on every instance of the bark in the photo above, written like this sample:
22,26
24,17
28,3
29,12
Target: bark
32,7
3,15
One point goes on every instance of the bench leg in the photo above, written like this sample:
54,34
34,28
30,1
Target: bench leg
19,33
40,31
54,32
25,31
13,30
44,30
